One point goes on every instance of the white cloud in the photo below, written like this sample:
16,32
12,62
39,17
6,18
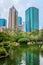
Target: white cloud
29,5
16,1
32,3
1,1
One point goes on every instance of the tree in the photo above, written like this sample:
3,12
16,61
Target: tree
23,40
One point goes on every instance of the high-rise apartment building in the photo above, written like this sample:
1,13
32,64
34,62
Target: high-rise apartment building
3,23
13,18
19,20
32,19
20,24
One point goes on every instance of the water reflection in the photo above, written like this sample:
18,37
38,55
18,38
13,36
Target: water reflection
21,57
32,59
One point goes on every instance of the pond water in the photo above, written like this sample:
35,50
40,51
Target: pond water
23,56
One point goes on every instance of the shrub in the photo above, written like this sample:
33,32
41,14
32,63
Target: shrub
23,40
17,38
1,44
4,36
11,38
7,48
2,52
6,43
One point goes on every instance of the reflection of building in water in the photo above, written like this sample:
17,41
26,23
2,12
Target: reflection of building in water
29,59
21,60
32,59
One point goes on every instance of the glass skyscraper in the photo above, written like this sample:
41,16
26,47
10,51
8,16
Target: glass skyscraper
32,19
19,20
3,23
20,25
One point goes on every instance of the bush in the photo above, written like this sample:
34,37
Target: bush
6,43
17,38
2,52
11,38
4,36
23,40
7,48
13,44
1,44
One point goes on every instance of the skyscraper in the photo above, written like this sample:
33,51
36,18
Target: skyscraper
3,23
32,19
13,18
20,24
19,20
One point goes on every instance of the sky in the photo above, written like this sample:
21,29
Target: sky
21,6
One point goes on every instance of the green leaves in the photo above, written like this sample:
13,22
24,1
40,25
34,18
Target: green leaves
23,40
2,51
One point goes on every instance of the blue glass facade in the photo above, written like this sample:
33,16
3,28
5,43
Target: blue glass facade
32,19
20,20
3,22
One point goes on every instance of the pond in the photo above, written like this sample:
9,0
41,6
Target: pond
23,56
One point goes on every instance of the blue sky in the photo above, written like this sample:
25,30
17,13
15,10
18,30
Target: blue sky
21,6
